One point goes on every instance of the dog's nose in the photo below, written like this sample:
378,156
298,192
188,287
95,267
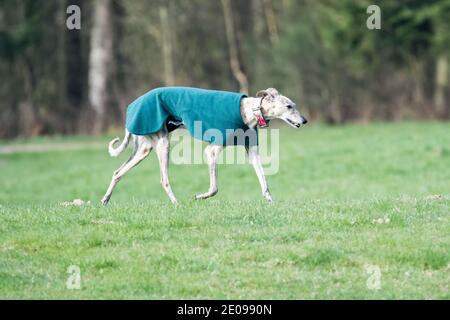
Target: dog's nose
304,120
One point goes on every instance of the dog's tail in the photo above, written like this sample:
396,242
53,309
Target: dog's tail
114,152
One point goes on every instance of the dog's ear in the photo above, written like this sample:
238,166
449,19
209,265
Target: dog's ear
262,93
272,91
269,91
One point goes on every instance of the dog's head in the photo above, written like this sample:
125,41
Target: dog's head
276,106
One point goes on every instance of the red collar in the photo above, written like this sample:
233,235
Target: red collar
259,116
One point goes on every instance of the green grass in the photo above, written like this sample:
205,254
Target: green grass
315,241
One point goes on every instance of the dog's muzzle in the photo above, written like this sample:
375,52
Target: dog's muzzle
303,120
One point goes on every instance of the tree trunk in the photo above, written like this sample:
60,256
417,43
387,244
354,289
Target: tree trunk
232,47
259,39
61,54
258,18
334,111
75,73
419,99
271,21
441,83
100,61
166,32
121,62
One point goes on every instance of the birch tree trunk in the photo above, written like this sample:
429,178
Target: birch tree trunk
100,60
232,47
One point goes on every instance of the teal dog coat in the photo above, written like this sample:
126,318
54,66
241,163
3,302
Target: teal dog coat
209,115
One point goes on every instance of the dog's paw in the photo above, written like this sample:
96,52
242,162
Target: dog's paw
104,201
268,197
205,195
198,196
202,196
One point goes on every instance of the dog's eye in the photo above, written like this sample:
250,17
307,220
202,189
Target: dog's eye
289,107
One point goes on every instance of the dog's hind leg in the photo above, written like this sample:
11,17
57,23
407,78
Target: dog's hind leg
142,149
212,155
135,149
162,151
255,160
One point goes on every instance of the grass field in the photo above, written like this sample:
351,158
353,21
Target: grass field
347,200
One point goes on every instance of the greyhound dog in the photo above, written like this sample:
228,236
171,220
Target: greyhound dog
254,111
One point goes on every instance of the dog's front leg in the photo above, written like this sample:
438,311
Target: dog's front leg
255,160
162,151
212,155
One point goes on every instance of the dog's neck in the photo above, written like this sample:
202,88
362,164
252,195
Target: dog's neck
247,105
